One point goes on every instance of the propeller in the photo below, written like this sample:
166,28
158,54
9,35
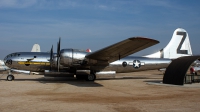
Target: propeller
58,54
51,58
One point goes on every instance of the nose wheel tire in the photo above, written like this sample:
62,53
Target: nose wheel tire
10,77
91,77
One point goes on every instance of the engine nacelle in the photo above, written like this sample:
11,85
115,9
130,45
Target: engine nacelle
72,57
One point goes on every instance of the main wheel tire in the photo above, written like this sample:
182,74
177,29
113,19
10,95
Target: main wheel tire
91,77
10,77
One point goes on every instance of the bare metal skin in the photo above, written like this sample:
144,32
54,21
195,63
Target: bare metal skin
41,62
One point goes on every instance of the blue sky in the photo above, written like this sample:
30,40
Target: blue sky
94,24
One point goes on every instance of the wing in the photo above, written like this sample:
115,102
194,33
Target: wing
122,49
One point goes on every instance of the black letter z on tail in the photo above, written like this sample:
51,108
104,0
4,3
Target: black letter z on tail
179,51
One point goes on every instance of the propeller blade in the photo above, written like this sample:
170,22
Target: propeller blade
51,57
59,46
58,54
58,64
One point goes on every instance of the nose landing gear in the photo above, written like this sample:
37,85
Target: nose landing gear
10,77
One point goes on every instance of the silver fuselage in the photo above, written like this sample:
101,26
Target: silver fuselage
40,61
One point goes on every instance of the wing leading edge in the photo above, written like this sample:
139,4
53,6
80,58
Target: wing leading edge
122,49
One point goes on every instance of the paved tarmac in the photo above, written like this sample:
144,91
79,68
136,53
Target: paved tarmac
128,92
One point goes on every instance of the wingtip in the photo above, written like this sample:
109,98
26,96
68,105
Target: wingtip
144,38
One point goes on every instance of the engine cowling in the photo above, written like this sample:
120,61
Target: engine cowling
72,57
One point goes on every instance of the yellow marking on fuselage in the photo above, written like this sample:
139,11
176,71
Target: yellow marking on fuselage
33,63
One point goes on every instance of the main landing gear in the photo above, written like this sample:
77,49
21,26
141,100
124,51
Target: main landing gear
87,77
10,77
91,77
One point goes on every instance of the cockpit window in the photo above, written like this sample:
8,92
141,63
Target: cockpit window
12,55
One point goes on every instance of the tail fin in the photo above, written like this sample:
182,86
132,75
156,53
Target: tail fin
36,48
178,46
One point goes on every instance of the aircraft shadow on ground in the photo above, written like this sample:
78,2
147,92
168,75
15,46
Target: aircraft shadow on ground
82,82
124,78
67,80
71,81
154,81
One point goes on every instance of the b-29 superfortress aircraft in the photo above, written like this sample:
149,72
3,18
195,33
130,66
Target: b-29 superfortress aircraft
109,60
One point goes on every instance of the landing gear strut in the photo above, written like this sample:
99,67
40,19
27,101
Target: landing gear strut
10,77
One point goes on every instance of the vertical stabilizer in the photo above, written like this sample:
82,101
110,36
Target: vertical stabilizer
36,48
178,46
